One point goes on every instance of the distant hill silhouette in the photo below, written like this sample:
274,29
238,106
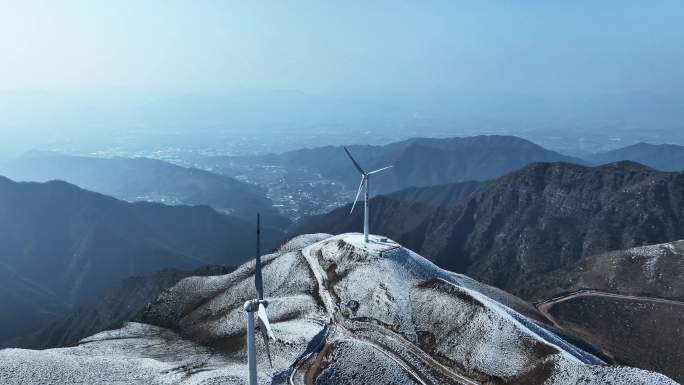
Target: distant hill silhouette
144,179
61,246
417,162
665,157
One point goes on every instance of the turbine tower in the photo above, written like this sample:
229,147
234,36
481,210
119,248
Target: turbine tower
257,305
365,176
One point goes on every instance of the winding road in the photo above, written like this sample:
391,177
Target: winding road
546,305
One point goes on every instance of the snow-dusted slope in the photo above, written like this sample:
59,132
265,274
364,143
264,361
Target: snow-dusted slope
343,313
652,271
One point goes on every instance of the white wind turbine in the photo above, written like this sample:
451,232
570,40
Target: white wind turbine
257,305
363,185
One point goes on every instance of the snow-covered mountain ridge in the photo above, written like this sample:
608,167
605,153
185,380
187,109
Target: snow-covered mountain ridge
343,312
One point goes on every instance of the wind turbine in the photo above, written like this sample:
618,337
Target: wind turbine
365,176
257,305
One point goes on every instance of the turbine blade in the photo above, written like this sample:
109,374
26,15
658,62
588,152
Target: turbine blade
354,161
378,170
265,329
263,319
258,281
358,193
268,349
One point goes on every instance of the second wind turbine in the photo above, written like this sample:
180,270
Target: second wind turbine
363,185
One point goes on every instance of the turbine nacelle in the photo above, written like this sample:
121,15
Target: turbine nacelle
364,183
259,307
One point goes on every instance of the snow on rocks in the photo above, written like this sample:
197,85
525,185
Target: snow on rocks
365,365
135,354
343,312
301,241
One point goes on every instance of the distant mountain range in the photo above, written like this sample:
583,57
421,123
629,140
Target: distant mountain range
144,179
312,181
61,246
530,222
416,162
665,157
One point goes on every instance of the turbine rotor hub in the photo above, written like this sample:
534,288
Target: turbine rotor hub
252,305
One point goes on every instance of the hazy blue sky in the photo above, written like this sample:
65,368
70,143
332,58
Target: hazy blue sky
73,71
533,47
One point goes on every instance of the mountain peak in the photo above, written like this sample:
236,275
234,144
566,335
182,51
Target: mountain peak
368,310
628,165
